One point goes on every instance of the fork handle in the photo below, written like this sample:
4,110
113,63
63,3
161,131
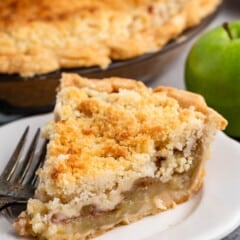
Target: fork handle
5,202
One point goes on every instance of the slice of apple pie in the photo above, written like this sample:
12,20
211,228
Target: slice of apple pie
118,151
42,36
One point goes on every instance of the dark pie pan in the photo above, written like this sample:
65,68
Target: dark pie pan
25,96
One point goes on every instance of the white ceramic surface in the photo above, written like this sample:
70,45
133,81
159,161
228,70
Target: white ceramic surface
211,214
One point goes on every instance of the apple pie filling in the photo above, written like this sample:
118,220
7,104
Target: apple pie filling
147,195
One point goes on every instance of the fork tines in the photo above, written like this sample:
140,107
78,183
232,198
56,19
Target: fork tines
21,170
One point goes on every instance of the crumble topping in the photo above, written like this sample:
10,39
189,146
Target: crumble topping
104,140
41,36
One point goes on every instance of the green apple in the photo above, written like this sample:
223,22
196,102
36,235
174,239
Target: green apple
213,70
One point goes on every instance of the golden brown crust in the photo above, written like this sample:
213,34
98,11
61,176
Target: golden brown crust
122,123
40,37
110,139
185,98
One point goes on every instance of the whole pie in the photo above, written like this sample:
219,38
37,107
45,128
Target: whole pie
42,36
118,151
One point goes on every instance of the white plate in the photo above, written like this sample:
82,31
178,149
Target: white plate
211,214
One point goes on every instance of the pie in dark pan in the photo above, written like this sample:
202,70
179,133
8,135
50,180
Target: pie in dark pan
97,39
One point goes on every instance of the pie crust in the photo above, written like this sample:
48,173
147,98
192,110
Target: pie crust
118,151
44,36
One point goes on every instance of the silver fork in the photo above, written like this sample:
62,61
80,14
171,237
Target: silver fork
18,179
